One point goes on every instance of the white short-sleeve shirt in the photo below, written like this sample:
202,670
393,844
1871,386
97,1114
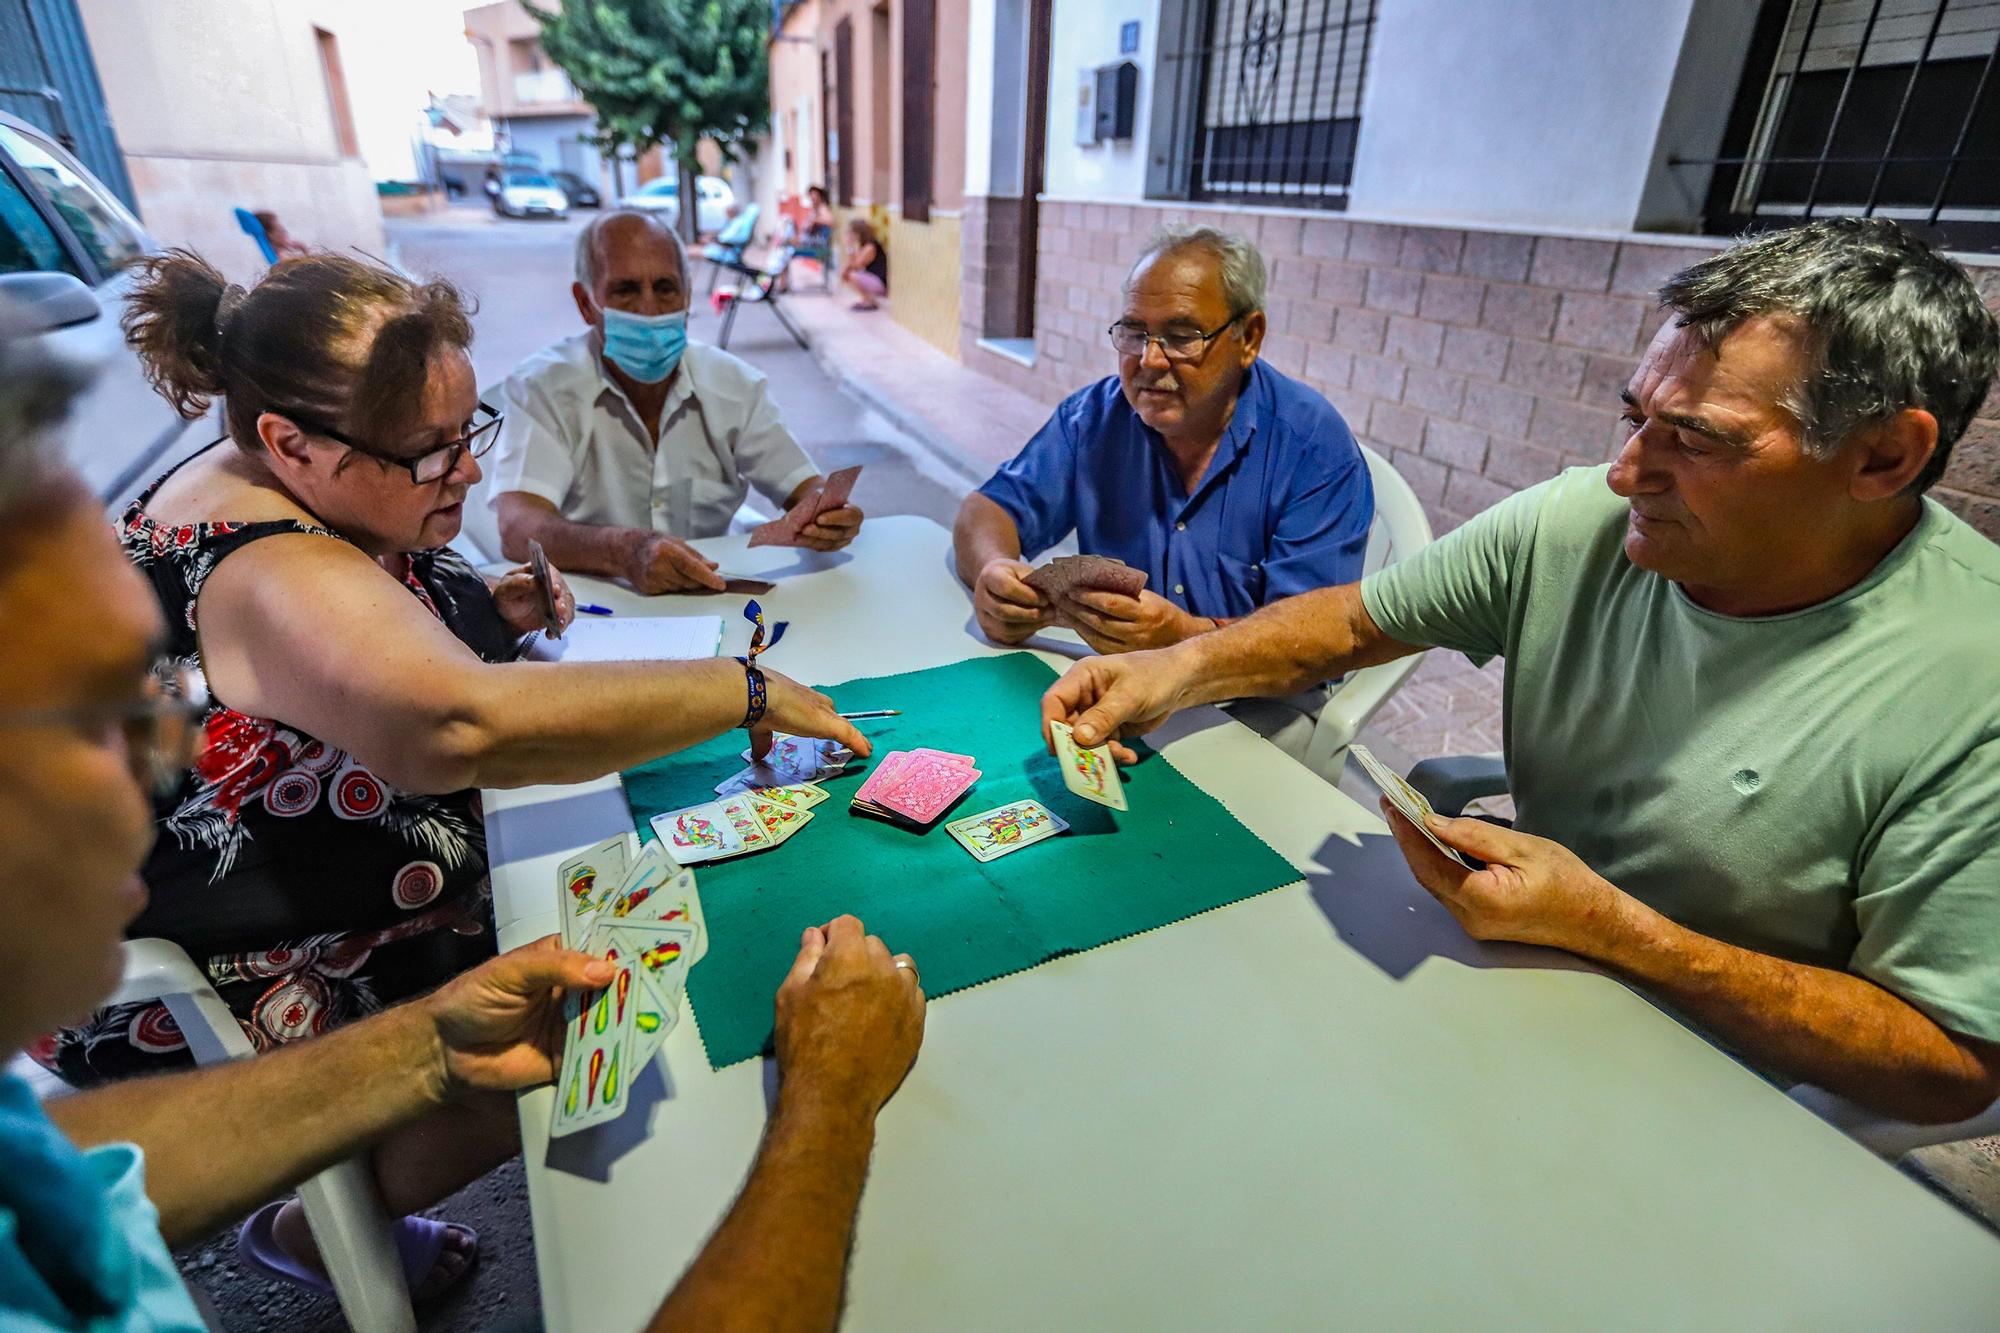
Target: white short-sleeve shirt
572,437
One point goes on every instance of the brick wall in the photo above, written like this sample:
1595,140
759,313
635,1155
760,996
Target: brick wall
1478,362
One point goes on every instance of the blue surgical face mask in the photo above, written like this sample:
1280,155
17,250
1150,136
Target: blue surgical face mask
646,347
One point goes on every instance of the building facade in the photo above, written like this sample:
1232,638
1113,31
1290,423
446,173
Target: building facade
532,104
1465,204
868,98
277,134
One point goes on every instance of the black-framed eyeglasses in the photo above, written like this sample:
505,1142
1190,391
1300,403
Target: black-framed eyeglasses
425,468
163,726
1131,340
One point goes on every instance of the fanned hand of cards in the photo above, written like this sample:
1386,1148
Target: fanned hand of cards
829,495
911,788
642,913
1404,797
1068,573
1089,773
760,807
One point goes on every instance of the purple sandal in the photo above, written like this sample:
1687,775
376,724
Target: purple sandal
419,1241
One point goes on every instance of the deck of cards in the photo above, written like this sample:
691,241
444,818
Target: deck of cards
641,912
1404,797
1069,573
1090,773
830,494
913,787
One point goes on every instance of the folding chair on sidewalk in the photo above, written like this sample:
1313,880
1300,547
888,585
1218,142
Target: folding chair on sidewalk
347,1218
761,286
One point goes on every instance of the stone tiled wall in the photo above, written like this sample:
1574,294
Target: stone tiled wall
924,287
1478,362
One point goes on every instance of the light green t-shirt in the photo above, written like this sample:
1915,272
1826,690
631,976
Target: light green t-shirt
1822,785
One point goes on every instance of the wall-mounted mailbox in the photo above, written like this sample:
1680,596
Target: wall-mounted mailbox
1117,100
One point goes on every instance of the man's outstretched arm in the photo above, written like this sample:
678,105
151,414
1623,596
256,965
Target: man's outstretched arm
850,1019
1838,1031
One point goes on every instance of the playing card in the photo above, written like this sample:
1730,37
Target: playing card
1088,773
1107,575
658,889
661,950
742,816
698,833
545,590
597,1054
775,533
585,878
1404,797
797,759
834,493
883,772
1008,828
925,785
780,821
799,796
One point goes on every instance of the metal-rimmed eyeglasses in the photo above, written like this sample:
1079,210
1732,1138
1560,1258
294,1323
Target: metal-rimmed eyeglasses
1131,339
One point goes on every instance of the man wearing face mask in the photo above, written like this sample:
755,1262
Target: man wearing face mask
1227,482
624,440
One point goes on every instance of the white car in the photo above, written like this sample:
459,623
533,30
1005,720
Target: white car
525,194
663,194
66,244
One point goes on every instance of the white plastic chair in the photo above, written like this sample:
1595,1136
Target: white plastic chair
1317,726
345,1214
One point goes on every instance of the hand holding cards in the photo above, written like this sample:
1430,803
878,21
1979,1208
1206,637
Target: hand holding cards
829,495
1090,773
1067,573
640,912
1404,797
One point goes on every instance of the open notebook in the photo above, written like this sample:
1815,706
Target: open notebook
634,639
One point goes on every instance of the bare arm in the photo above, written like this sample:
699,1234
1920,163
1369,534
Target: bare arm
1833,1029
360,664
849,1023
1280,650
212,1153
652,562
986,548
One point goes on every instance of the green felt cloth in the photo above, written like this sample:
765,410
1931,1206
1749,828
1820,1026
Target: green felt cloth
1175,853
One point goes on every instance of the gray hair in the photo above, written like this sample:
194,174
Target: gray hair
586,245
1890,323
1237,261
36,484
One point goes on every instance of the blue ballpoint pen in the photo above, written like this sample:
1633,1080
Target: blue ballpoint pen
587,609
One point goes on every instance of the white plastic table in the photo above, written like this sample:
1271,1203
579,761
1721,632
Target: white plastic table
1322,1107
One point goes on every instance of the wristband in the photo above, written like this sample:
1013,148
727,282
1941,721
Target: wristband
760,696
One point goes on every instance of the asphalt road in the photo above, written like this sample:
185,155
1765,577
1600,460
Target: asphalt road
518,272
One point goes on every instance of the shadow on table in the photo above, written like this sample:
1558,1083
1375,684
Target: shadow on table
1374,903
591,1153
808,562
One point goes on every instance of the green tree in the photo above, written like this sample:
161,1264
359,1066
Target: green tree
667,72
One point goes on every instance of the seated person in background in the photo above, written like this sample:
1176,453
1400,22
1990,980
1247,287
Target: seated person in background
866,267
1228,483
325,855
819,229
95,1187
623,440
1753,676
281,240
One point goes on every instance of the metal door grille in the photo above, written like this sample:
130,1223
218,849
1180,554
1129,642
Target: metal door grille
47,78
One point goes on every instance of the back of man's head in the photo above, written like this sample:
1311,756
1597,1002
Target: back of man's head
1889,323
1239,266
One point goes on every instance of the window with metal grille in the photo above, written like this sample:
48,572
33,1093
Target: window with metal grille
1886,108
1261,99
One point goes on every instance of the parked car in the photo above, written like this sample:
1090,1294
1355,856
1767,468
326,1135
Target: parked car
529,194
66,244
713,195
580,193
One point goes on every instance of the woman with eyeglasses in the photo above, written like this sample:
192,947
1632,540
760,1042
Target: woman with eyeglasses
325,855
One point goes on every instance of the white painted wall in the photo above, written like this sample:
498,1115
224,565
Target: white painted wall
1524,115
1084,35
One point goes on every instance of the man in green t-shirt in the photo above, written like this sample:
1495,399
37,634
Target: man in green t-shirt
1753,676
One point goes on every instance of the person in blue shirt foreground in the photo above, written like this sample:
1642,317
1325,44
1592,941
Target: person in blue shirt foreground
94,1187
1230,484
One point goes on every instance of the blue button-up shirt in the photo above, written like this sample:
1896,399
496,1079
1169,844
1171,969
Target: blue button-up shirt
1283,508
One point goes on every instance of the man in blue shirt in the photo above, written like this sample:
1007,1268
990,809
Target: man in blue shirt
1228,483
94,1187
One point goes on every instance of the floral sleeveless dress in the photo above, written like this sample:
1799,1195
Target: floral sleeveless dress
312,891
